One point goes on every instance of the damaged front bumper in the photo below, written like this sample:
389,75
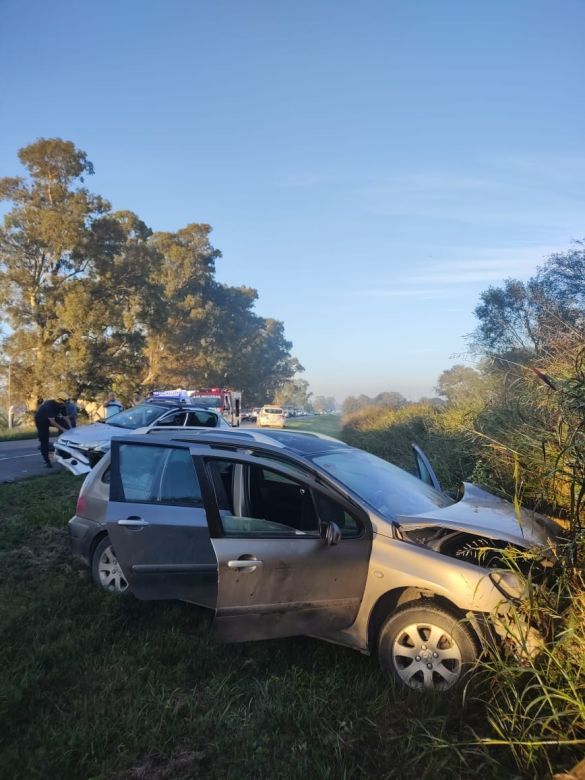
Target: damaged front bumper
76,460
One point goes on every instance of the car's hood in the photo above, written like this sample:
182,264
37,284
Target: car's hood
91,434
482,513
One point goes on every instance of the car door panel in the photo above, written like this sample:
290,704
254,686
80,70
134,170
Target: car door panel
291,584
300,586
169,557
164,550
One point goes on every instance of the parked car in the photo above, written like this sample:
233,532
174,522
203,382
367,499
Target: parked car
79,449
271,417
285,533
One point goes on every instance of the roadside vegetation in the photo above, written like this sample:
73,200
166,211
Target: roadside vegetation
329,424
18,432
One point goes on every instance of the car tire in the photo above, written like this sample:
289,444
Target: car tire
105,569
424,647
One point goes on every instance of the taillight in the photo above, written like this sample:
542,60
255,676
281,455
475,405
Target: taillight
81,507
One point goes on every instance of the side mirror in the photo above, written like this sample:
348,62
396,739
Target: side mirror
330,533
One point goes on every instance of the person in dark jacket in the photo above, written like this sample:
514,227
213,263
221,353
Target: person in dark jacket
51,412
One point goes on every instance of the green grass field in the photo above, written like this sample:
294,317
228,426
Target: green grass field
98,686
329,424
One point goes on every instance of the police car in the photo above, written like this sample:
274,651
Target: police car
79,449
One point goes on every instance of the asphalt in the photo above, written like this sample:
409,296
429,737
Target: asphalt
21,459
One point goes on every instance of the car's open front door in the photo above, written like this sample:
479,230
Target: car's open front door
276,575
157,523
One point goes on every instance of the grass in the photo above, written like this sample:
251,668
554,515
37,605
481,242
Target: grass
330,424
20,432
98,686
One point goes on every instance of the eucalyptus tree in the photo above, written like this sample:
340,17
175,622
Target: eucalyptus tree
47,242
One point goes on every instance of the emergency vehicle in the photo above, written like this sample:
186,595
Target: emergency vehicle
228,402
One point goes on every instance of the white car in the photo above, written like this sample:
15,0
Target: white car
271,417
79,449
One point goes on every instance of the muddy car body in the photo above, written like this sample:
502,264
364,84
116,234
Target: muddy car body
286,533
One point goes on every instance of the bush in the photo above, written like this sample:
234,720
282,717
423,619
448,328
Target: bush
390,433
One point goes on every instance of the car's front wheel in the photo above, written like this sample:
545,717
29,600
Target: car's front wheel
105,569
425,647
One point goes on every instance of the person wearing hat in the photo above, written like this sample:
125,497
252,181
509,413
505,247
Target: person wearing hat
51,412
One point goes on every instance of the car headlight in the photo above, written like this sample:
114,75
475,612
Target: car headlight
510,584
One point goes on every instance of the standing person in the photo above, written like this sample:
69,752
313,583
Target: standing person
51,412
72,412
112,406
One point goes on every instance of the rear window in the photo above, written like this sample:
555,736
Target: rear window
272,410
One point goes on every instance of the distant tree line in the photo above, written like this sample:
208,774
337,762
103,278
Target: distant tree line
387,400
95,300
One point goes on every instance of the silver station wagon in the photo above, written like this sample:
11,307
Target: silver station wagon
284,533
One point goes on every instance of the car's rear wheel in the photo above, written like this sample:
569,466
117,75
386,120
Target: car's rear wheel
425,647
105,569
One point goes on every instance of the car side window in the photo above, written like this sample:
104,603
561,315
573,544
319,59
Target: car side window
158,475
202,419
175,419
331,511
258,501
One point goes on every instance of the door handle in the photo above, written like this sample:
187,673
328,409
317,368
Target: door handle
246,563
133,522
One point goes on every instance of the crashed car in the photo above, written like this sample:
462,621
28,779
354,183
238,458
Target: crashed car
80,448
284,533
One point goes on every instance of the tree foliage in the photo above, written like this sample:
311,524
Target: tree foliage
293,392
459,383
324,403
523,317
387,400
94,300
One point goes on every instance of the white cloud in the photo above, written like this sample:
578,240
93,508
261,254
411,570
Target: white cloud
484,265
511,196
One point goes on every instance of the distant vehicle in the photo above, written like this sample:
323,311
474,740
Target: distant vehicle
283,533
271,417
79,449
228,402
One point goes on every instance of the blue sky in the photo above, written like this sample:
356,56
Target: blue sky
369,167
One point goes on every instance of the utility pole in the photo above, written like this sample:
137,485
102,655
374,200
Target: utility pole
9,392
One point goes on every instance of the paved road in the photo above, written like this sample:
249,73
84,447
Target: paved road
21,459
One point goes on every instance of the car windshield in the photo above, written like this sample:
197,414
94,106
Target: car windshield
137,417
389,489
272,411
207,401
